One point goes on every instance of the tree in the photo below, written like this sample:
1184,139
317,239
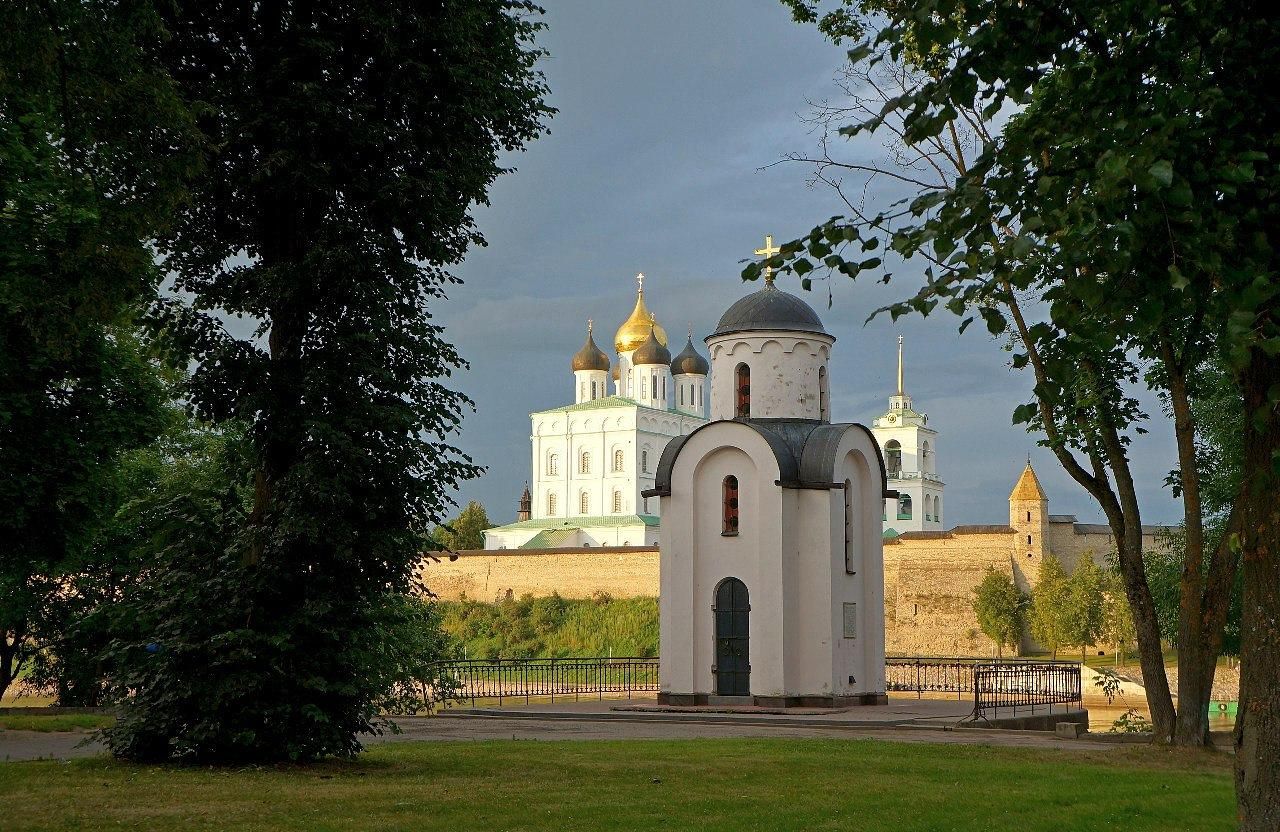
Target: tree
1131,186
1051,606
94,150
1085,601
1117,619
466,531
1001,610
346,144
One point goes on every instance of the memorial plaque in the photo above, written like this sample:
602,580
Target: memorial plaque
850,620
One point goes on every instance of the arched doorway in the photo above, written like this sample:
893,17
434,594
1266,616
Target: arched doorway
732,610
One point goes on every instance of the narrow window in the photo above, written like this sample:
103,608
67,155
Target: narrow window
682,395
617,460
644,462
1028,517
584,463
848,528
553,465
1028,540
664,387
904,507
654,385
617,502
593,390
699,397
742,388
644,387
584,503
730,526
551,504
822,394
893,457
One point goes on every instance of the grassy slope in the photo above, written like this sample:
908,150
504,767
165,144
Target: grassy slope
734,785
554,627
54,722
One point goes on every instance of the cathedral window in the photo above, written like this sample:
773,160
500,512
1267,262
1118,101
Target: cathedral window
742,392
654,385
593,390
682,394
699,397
644,461
617,460
664,387
730,525
584,503
644,387
551,504
584,463
893,457
553,465
904,507
617,502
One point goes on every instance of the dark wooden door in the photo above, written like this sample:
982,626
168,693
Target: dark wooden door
732,610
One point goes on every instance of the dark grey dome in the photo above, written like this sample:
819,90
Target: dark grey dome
688,362
590,357
769,308
651,352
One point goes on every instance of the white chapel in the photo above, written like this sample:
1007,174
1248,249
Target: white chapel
591,460
771,564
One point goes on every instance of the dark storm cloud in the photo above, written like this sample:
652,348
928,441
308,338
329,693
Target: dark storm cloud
668,112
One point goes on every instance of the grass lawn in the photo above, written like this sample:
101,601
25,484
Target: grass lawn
743,784
59,722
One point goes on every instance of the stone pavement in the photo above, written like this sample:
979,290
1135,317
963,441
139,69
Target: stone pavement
902,720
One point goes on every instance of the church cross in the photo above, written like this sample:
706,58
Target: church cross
640,281
768,251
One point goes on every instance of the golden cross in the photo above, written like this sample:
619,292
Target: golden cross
589,323
640,281
768,251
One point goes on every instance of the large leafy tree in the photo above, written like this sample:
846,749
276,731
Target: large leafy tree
348,142
1132,189
466,531
94,148
1051,611
1001,609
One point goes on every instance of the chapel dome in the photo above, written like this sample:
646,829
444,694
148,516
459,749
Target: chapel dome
590,357
635,329
651,351
769,308
689,362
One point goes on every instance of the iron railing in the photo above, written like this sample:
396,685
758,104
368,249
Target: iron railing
503,679
1000,689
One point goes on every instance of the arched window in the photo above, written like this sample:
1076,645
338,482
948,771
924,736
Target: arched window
730,526
593,390
584,463
553,465
664,387
926,458
848,528
682,394
742,392
551,504
654,385
644,461
893,457
584,503
823,405
904,507
699,397
617,502
617,460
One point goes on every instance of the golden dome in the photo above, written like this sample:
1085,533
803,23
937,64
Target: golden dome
635,329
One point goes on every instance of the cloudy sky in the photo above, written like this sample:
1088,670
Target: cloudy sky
670,115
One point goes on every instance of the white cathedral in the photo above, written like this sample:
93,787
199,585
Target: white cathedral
592,460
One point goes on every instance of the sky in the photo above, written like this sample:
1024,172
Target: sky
661,160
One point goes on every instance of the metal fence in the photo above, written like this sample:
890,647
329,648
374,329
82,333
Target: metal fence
503,679
1000,689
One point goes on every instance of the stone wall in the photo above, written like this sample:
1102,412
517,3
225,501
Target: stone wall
490,575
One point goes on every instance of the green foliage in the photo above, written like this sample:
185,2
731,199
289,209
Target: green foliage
553,627
1050,612
466,531
346,144
1117,627
1001,609
94,147
1085,604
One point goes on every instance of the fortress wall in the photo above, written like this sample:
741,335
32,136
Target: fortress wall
490,575
929,583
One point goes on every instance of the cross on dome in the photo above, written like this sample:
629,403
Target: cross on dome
768,251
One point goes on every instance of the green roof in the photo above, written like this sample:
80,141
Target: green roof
550,539
570,523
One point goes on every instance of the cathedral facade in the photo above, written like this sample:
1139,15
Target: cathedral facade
592,459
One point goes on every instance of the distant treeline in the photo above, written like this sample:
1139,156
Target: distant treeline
553,627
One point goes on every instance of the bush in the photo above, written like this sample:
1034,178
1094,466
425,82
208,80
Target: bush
553,627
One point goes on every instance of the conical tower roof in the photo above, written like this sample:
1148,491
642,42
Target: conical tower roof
590,357
1028,487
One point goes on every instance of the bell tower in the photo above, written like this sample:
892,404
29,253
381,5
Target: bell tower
910,449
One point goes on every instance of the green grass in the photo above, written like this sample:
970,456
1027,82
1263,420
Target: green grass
766,784
553,627
54,722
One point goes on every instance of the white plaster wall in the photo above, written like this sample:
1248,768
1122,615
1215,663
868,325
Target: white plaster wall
784,373
694,390
582,381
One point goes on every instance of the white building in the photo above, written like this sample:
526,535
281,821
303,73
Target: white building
771,562
910,449
591,460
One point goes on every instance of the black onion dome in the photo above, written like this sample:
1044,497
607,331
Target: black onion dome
689,363
590,357
651,352
769,308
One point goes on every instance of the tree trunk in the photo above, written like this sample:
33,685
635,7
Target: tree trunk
1257,734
